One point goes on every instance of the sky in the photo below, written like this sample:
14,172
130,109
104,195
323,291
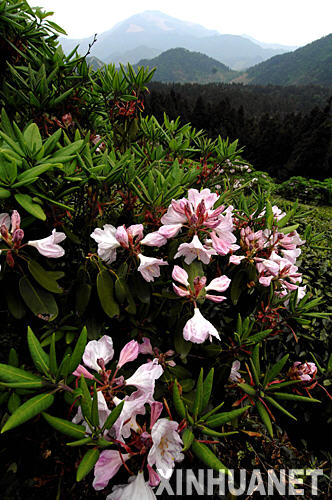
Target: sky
288,22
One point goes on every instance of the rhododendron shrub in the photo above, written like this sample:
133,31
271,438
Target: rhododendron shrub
170,321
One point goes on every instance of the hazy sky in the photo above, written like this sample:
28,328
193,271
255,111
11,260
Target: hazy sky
290,22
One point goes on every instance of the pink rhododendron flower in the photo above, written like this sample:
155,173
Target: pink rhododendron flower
128,237
150,267
154,478
144,378
180,275
235,375
5,220
305,372
194,250
49,246
98,349
107,242
156,409
167,446
145,347
198,329
236,259
80,370
108,464
137,489
133,405
129,353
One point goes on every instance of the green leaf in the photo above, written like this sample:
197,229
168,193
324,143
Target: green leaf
257,337
221,418
40,302
88,462
82,298
210,432
14,402
12,375
105,293
264,417
65,426
112,417
208,457
275,370
238,285
28,410
94,408
39,356
81,442
78,352
177,400
199,395
187,439
294,397
43,278
33,138
32,208
207,389
278,406
86,403
248,389
4,193
53,361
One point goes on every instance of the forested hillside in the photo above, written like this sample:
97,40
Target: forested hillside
311,64
285,131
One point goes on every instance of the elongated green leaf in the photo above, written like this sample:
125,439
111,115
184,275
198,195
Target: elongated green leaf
88,462
210,432
248,389
105,293
77,354
278,406
177,400
28,410
207,388
40,302
257,337
276,369
221,418
211,412
34,209
81,442
86,402
264,417
199,395
274,387
94,408
112,417
294,397
237,286
39,356
11,374
187,439
204,453
65,426
53,361
4,193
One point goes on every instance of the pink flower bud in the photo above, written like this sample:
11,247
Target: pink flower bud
128,353
15,220
180,275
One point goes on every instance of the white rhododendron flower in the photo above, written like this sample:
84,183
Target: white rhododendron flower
49,247
150,267
167,446
198,329
137,489
107,242
108,464
98,349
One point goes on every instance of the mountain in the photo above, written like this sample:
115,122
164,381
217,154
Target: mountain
283,48
150,33
182,66
94,62
311,64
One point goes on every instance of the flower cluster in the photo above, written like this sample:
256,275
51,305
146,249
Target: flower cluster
156,442
13,235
